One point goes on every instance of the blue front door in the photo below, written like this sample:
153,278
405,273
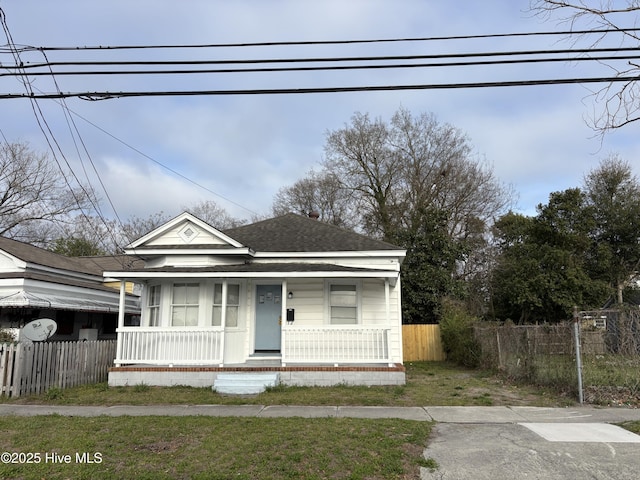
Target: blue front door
268,313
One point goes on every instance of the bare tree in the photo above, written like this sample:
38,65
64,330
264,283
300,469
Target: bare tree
608,22
397,171
93,233
439,171
137,227
321,193
34,196
212,213
361,157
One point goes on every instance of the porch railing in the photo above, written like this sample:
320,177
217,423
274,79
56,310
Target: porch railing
335,344
163,346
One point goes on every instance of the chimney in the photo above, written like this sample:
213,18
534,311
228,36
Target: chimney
314,215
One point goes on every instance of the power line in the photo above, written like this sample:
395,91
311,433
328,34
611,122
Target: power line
27,48
50,137
332,67
193,182
28,65
106,95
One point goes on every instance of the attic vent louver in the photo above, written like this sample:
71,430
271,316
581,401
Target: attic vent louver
188,233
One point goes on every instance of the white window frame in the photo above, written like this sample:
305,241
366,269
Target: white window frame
153,309
187,305
224,305
358,306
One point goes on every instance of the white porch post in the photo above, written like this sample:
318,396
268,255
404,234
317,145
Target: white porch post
387,308
283,322
121,309
223,319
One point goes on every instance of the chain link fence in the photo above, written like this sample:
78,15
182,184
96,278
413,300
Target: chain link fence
607,354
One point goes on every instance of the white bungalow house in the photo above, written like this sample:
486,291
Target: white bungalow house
316,304
36,283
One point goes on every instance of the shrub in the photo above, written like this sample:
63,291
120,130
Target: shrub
456,330
6,336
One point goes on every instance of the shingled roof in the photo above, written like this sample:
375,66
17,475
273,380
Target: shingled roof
296,233
39,256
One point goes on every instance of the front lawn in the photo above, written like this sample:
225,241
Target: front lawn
212,448
428,383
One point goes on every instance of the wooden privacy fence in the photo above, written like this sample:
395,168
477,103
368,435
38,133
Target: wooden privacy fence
422,342
34,368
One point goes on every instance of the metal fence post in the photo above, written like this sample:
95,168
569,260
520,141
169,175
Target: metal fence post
576,335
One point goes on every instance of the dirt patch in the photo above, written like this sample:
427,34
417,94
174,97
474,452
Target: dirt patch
160,447
612,396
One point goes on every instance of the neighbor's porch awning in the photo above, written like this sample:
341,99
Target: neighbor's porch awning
23,299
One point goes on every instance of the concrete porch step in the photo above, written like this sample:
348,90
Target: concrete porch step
239,383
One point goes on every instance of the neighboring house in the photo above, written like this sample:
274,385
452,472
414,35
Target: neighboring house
293,295
36,283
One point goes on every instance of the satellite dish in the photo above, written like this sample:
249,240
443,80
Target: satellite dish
39,330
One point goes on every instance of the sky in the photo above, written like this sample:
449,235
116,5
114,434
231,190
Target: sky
161,154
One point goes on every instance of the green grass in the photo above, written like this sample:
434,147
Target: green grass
216,448
632,426
428,383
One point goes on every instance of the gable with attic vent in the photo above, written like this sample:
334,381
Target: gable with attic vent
187,233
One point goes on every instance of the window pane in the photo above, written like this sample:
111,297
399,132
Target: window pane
343,301
233,294
153,316
193,292
216,321
177,317
217,294
179,294
232,317
154,295
343,295
191,316
343,315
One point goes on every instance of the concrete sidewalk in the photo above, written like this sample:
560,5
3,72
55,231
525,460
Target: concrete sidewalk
482,415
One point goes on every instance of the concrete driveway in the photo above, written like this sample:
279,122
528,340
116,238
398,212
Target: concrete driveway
532,443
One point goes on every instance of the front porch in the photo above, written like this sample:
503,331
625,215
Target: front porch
309,356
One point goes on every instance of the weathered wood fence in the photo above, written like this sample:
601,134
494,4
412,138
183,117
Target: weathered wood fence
422,343
34,368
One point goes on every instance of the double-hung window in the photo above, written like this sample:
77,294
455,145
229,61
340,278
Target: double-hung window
184,306
231,304
343,304
153,305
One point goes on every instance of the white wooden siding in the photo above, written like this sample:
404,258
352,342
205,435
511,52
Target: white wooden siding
308,301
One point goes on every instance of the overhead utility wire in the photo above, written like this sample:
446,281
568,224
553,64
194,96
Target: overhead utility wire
27,48
75,133
48,133
283,91
330,68
27,65
175,172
